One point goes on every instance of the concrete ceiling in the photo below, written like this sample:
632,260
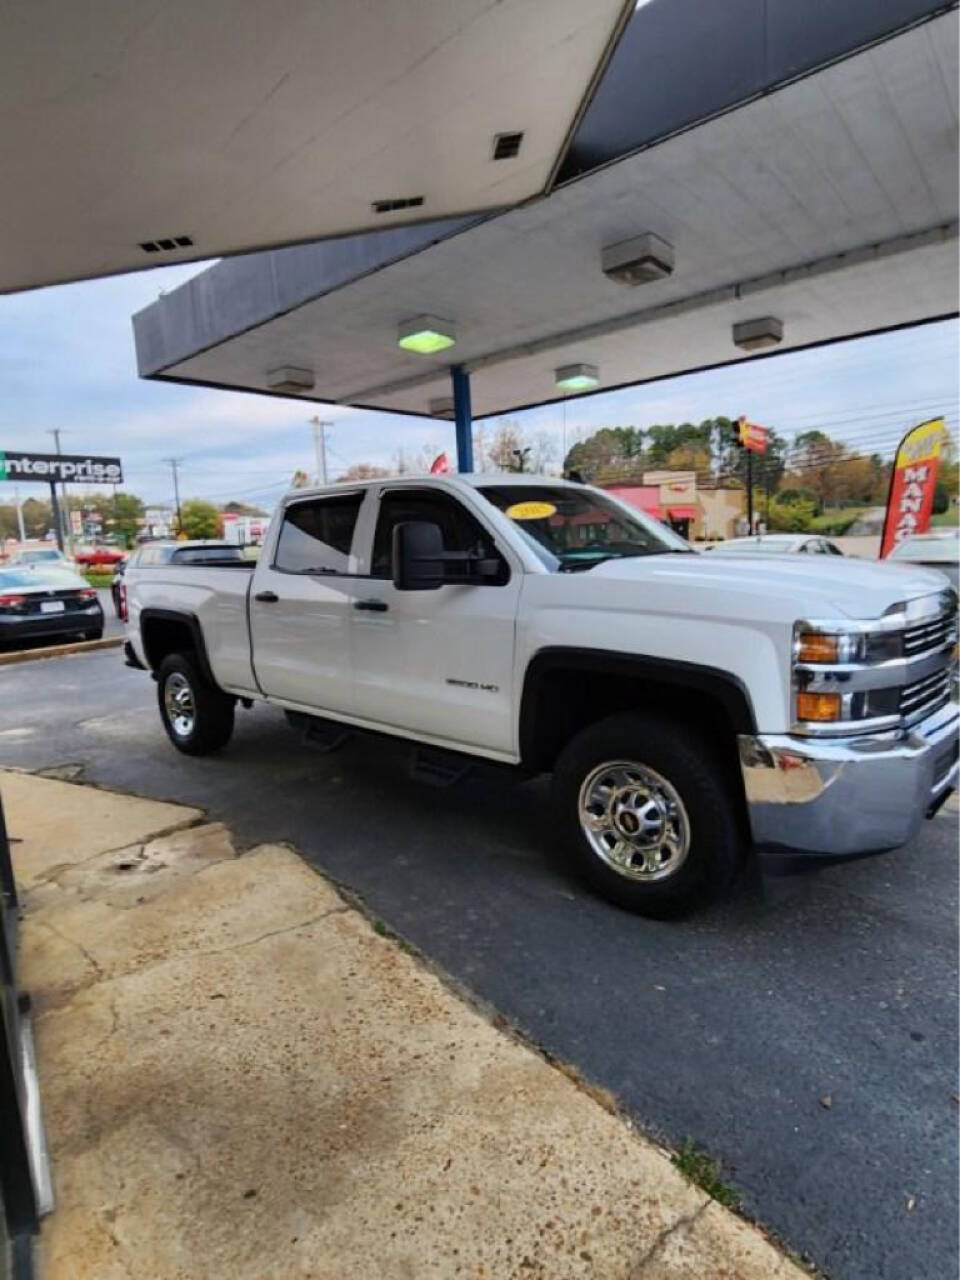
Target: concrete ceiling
238,124
831,204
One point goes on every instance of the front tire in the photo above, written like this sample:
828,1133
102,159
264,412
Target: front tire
646,815
197,716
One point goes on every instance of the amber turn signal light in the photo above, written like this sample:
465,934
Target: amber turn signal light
819,706
817,646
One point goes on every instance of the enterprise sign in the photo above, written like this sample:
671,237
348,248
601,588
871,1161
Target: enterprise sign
82,468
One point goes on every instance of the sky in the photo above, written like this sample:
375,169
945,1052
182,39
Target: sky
67,361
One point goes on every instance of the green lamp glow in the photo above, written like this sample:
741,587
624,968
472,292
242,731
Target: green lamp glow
577,377
426,335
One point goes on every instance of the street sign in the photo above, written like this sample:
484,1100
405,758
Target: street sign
752,436
50,468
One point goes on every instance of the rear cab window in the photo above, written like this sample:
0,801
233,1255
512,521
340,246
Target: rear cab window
317,534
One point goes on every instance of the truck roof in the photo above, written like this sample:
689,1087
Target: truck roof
455,479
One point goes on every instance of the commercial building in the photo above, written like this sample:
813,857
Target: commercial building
698,512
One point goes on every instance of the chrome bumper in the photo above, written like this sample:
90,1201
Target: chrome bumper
858,795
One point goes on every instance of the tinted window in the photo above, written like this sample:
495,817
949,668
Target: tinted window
574,528
208,555
461,532
316,535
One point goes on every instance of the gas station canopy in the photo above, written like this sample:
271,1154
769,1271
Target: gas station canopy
823,207
139,134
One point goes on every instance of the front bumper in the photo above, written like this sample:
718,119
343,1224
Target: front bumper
858,795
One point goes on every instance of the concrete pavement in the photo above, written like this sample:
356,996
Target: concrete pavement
242,1077
809,981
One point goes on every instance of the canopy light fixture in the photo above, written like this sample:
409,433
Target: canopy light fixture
290,381
755,335
638,261
577,377
442,407
426,335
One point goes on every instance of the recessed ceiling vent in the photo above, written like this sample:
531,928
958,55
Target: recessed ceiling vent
506,145
401,202
165,246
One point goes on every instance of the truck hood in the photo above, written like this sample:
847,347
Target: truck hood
834,585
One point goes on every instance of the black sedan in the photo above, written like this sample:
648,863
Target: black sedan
38,603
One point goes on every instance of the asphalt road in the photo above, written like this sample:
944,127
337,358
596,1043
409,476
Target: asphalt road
804,1031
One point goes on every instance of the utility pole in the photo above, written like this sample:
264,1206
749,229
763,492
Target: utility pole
16,498
174,463
61,512
320,447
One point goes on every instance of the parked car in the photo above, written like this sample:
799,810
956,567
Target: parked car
95,557
779,544
47,602
38,555
683,703
938,549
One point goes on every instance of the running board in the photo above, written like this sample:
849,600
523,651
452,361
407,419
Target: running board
438,768
322,735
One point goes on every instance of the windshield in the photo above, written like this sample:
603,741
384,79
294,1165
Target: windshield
38,557
943,549
573,529
39,578
757,546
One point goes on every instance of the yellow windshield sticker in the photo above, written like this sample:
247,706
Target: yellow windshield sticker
531,510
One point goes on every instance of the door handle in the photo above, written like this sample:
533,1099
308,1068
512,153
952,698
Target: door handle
372,606
267,597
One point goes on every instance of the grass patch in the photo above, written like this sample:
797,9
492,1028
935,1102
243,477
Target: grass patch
97,579
704,1172
380,928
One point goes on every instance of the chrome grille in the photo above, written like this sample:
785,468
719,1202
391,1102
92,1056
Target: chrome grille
926,637
924,696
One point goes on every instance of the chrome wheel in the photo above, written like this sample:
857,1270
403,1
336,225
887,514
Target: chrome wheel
179,705
634,820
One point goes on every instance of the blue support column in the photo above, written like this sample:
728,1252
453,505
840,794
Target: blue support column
463,417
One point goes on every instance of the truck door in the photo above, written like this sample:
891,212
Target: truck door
437,662
300,604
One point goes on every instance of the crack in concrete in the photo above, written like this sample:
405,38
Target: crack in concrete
58,933
273,933
683,1223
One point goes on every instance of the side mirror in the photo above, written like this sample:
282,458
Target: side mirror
418,558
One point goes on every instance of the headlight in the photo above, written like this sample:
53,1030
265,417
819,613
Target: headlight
839,680
835,648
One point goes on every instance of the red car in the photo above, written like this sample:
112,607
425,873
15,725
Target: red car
90,556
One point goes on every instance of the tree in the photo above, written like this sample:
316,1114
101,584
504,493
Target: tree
199,519
941,498
506,441
365,471
242,509
122,514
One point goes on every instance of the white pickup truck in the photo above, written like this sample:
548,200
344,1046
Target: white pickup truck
687,705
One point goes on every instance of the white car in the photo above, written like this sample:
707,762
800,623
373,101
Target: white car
684,703
939,549
51,557
779,544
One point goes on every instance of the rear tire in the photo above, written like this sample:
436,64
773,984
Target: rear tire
646,815
197,716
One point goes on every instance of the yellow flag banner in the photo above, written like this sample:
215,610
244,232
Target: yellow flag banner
912,482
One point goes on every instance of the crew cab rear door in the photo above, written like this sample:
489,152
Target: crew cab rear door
436,662
301,601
